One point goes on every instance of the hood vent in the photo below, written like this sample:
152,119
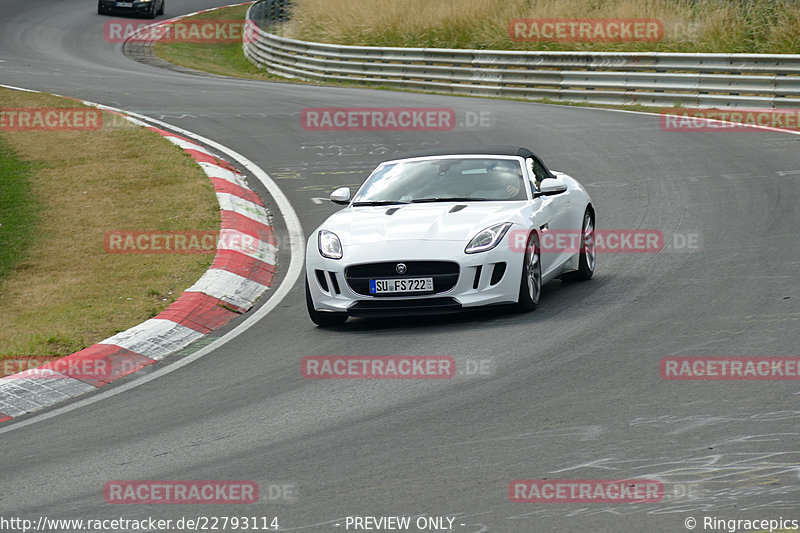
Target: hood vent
392,210
457,208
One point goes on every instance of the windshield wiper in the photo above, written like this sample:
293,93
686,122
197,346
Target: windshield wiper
379,202
449,199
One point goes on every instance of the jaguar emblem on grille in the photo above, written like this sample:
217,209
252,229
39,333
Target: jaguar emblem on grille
401,268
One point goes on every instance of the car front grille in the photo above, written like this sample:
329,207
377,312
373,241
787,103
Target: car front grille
444,274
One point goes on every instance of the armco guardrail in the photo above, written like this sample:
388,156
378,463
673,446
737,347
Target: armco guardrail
647,78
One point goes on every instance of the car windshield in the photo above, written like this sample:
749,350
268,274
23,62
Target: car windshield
442,180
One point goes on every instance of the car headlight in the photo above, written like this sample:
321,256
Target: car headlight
488,238
329,245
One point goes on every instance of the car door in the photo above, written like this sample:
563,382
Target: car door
552,216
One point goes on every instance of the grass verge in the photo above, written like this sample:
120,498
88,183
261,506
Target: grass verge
222,59
65,292
727,26
19,210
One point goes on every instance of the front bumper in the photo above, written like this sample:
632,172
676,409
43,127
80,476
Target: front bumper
137,8
487,278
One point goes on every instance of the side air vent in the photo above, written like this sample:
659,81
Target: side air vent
323,282
477,276
497,273
335,283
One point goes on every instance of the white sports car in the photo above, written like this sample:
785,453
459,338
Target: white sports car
439,231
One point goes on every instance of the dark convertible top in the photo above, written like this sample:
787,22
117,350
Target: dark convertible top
469,150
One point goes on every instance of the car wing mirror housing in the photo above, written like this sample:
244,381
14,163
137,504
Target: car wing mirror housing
341,196
551,186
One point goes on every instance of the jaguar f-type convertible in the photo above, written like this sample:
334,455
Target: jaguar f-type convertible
449,229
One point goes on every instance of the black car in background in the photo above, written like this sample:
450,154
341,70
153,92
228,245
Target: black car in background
148,8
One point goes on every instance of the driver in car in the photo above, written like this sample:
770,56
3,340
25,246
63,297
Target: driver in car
502,182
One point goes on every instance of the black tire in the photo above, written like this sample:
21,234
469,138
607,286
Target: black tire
161,10
152,13
320,318
100,10
530,284
587,260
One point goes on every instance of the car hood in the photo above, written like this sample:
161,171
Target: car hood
440,221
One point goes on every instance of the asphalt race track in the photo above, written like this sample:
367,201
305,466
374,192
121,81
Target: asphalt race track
574,390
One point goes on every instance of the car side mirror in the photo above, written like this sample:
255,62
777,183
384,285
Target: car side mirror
551,186
341,196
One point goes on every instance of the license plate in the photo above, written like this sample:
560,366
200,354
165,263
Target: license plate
124,4
381,286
